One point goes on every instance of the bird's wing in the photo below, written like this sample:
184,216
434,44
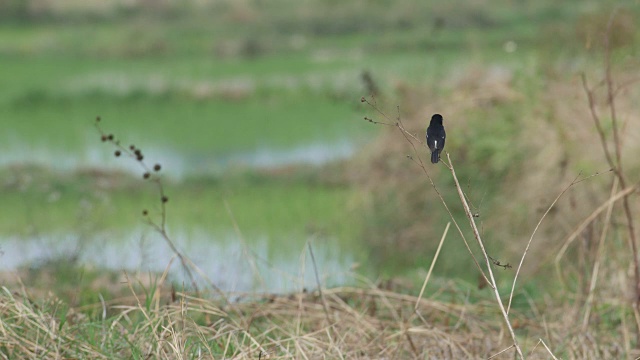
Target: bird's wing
429,141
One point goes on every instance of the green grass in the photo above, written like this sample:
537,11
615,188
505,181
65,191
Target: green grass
56,202
190,127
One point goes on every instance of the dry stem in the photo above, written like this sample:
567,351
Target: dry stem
493,282
524,254
433,263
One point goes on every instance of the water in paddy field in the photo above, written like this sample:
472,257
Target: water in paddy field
224,259
232,262
178,165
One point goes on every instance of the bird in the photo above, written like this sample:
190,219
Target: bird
435,137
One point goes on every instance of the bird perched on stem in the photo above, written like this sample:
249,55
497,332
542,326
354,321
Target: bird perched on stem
436,137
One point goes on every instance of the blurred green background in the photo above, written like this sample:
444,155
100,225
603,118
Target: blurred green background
253,109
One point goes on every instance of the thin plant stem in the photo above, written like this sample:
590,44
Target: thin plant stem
598,260
493,283
524,254
315,271
433,263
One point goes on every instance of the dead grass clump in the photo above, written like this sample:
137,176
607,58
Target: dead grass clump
365,324
352,323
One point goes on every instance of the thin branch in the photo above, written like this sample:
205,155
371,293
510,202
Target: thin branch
599,256
136,154
315,271
501,352
580,228
548,350
596,120
433,263
610,93
524,254
493,282
245,249
623,85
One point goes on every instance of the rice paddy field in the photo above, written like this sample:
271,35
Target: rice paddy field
247,179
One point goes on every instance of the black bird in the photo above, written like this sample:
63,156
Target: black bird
436,137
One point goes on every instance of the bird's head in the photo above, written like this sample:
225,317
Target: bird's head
436,118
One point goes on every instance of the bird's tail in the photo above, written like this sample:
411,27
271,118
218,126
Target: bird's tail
435,156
